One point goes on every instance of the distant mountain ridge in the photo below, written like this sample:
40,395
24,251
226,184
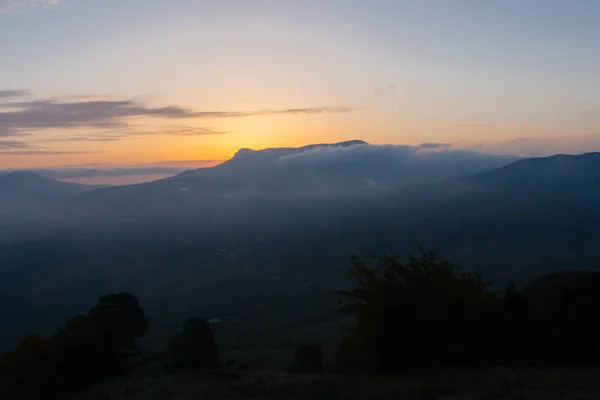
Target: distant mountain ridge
22,190
345,168
246,157
554,178
558,167
209,238
264,172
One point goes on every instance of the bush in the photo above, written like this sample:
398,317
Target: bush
32,370
420,313
563,313
194,347
83,352
308,359
426,312
88,350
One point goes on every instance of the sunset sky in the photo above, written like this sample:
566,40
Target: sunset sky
157,82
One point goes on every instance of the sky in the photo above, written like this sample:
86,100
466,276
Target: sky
105,83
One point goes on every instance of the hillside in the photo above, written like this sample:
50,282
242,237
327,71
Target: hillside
557,383
25,190
316,172
208,254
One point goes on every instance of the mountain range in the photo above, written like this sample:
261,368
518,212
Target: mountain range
23,190
284,220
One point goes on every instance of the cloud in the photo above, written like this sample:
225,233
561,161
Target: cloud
109,172
17,6
59,113
42,152
7,144
12,133
237,114
119,134
87,97
80,139
104,172
426,152
176,131
11,94
473,125
176,165
434,146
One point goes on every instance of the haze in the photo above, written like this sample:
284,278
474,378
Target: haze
196,173
109,83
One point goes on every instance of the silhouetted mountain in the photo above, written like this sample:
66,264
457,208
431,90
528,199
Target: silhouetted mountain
248,158
319,171
21,190
541,211
532,185
284,221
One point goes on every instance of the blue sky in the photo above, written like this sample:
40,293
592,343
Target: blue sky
508,76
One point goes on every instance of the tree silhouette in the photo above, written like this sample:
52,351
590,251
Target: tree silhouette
86,350
416,313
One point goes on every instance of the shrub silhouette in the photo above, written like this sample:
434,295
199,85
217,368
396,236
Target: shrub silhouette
563,314
32,370
419,313
86,350
121,316
308,359
425,312
194,347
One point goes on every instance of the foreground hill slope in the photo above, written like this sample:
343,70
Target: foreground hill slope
498,383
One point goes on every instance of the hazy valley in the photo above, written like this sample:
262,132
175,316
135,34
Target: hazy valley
280,224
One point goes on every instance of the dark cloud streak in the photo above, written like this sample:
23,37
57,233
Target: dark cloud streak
42,152
11,94
111,119
9,144
109,172
473,125
119,134
111,114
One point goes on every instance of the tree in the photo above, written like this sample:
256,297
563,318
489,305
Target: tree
416,313
32,370
86,350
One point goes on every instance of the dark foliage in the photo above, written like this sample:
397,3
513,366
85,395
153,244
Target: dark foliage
86,350
308,359
123,318
563,311
417,313
427,312
32,370
194,347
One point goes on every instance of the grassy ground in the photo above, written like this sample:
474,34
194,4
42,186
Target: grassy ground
492,384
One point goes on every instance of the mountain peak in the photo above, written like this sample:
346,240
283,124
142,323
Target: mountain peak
22,175
269,155
347,143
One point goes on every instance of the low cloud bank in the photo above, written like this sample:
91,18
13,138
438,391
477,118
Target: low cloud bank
424,153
